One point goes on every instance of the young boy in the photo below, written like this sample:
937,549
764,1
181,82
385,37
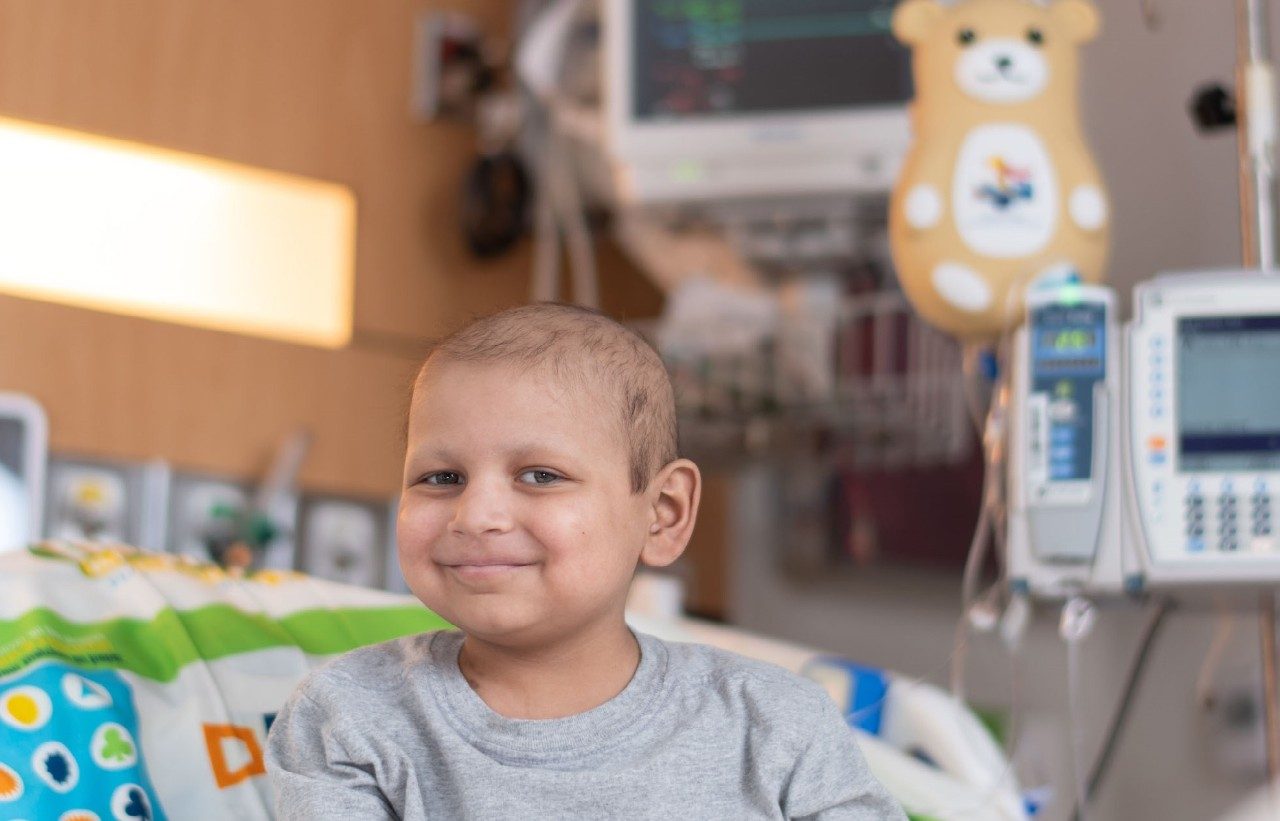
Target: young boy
540,471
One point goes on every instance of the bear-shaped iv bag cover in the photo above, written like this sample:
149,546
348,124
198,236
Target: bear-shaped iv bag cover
998,191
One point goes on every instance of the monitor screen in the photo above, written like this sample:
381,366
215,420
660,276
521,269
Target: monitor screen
709,58
15,501
12,445
1068,358
1228,383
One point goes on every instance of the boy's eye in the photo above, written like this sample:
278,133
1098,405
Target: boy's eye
444,477
539,477
966,36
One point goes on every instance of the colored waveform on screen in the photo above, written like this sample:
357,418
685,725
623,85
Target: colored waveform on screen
681,25
730,55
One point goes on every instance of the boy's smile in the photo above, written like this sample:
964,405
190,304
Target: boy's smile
517,521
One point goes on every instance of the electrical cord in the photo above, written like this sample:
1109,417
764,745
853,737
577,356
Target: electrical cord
1074,626
1101,765
1223,629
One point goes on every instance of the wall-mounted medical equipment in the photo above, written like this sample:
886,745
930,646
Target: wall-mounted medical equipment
343,540
104,501
1204,428
205,515
217,519
710,101
24,444
1064,480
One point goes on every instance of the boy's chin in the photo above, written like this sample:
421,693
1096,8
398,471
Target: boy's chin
510,633
518,634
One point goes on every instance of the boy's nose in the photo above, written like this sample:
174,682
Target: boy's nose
481,510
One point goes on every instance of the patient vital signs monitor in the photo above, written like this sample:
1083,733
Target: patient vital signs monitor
1204,405
713,99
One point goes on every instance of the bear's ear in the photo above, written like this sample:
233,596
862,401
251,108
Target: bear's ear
1079,18
913,19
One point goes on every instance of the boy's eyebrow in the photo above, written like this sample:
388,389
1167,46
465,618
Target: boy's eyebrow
521,451
430,452
531,451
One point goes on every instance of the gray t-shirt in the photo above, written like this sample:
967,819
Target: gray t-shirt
394,730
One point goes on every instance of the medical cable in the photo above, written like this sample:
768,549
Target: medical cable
972,384
1119,718
1270,685
1223,630
1075,625
973,569
991,510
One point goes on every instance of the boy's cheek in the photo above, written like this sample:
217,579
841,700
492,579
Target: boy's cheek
417,526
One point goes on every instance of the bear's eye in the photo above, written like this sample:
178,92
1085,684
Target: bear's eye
966,36
1035,36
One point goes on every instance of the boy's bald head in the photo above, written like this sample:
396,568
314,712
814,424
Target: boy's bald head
587,351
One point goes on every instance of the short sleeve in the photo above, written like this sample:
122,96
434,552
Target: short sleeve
831,780
313,775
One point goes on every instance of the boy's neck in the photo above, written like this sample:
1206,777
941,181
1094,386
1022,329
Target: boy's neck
555,681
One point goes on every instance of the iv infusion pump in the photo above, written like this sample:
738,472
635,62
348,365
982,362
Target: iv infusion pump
1065,488
1148,460
1204,402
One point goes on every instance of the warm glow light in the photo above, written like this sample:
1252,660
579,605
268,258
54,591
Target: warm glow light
126,228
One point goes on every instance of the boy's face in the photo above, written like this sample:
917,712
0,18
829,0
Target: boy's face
517,521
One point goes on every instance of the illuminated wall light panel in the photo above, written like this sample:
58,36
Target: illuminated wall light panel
121,227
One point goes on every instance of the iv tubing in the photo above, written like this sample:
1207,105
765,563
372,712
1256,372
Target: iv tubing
1103,762
1255,92
1267,635
1075,719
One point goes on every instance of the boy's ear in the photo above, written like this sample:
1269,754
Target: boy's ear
675,493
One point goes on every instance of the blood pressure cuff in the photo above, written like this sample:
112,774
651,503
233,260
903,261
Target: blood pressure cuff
141,686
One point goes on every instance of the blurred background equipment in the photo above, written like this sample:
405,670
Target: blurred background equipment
720,101
236,526
343,540
104,501
1065,485
24,441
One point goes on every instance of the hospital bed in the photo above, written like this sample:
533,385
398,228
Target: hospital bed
137,685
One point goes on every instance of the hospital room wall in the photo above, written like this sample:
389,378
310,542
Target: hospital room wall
318,88
1174,199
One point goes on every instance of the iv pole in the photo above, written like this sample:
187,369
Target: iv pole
1255,139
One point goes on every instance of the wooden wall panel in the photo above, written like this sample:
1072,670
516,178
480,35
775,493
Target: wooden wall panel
136,389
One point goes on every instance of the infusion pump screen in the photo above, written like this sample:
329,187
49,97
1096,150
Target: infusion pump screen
1228,383
725,57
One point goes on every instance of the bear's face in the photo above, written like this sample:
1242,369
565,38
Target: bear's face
1001,52
1001,69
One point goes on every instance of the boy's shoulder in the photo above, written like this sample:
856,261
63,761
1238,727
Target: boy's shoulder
718,664
379,667
772,693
